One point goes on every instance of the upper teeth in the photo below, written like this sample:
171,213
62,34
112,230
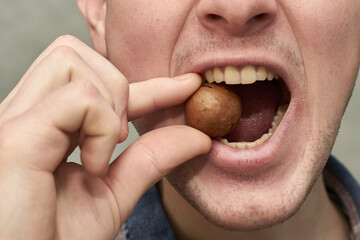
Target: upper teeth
246,75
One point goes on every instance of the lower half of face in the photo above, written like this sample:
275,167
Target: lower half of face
243,183
246,184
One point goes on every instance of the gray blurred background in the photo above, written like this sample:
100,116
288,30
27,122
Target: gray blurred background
28,27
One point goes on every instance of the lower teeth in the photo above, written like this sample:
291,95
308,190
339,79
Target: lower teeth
275,123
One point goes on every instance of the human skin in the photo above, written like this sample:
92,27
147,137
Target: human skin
316,53
72,96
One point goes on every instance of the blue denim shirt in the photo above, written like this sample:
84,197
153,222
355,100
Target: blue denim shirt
148,220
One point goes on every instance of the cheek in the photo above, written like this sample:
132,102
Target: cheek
326,27
328,36
140,35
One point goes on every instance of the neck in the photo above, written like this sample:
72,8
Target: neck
318,218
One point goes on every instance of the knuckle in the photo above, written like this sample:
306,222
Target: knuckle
65,58
64,49
123,84
66,40
118,85
116,80
64,54
84,89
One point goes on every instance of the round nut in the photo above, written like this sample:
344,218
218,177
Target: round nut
213,109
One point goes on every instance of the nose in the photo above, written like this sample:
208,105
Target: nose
236,17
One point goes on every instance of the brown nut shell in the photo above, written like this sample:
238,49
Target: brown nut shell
213,109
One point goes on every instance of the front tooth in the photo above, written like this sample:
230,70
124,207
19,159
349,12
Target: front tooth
270,75
248,75
218,75
232,75
250,144
209,75
261,73
241,145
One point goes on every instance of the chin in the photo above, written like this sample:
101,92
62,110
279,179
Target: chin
239,210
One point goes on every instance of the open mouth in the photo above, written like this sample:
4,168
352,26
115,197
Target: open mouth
265,99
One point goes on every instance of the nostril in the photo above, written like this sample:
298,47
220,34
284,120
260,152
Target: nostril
215,17
259,19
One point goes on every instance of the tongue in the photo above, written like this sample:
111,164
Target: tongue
259,105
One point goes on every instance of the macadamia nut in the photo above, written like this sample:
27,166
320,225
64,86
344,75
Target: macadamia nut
213,109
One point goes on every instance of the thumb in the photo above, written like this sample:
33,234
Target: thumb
149,159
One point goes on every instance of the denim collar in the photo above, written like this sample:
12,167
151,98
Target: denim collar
344,190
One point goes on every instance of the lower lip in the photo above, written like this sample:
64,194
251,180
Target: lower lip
250,160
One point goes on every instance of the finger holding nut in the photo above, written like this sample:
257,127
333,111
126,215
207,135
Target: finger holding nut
213,109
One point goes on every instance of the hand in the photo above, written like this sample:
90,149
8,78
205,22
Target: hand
72,96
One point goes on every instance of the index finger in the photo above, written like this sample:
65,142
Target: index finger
150,95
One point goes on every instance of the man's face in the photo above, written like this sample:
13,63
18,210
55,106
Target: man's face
313,46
